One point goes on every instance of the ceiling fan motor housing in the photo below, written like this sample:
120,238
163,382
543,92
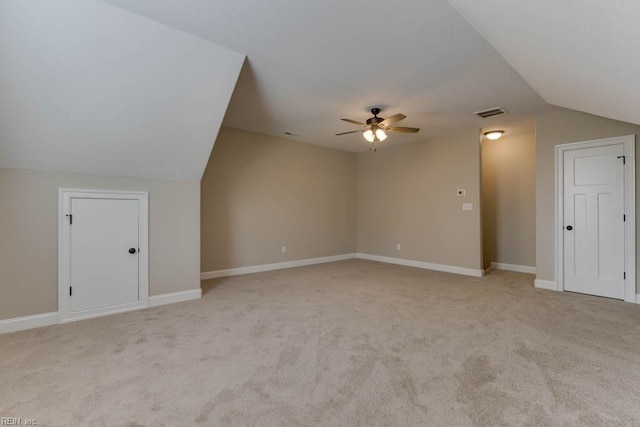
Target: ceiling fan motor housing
375,119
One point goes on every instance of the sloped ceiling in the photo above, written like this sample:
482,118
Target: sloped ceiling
141,89
310,63
581,55
90,88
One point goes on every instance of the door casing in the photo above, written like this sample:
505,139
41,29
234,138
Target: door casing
64,251
629,206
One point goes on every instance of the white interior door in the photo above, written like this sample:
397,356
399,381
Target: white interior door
594,209
103,271
103,264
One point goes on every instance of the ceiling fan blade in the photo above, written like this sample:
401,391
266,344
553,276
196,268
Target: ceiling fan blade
344,133
402,130
353,121
392,119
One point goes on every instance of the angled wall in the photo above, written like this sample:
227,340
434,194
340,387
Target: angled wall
90,88
95,97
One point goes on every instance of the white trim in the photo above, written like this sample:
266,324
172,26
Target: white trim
629,143
421,264
309,261
106,311
64,202
28,322
48,319
545,284
174,297
206,275
513,267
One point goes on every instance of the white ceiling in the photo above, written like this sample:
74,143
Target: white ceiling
581,55
311,63
87,87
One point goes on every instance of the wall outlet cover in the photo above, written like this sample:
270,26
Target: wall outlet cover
467,206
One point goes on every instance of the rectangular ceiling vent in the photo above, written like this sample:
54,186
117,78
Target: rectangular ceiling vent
490,112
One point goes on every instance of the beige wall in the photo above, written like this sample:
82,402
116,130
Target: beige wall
260,193
407,195
559,127
509,197
29,235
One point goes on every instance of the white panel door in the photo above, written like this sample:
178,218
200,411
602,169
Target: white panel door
594,244
103,253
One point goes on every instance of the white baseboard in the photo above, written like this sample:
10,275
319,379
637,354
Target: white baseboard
545,284
174,297
513,267
421,264
275,266
47,319
28,322
109,311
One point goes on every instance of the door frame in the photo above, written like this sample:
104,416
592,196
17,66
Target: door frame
629,191
64,251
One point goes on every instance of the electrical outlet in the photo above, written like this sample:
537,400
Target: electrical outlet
284,249
461,192
397,246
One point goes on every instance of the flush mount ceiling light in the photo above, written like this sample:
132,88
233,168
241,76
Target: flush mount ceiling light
376,128
492,135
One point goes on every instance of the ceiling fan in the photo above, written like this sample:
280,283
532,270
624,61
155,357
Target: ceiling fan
376,128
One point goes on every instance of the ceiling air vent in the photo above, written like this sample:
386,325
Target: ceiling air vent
490,112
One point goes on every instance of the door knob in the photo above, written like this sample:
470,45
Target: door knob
569,227
132,250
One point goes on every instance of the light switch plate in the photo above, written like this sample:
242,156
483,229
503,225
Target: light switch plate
467,206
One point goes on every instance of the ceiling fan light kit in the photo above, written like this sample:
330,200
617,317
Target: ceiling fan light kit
369,135
377,136
376,128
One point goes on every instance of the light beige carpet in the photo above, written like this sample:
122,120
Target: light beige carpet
352,343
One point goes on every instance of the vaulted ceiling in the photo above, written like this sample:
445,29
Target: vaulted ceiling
581,55
310,63
140,87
